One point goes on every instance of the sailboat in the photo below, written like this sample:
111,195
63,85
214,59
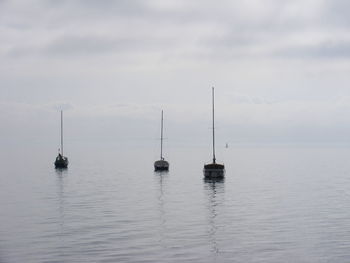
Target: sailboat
61,161
161,165
214,170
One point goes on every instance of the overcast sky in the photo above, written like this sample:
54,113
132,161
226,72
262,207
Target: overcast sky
281,69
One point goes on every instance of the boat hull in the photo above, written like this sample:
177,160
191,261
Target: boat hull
61,162
161,165
214,170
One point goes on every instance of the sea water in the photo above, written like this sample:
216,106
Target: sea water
276,204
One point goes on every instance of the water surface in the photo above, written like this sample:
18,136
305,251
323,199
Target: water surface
276,204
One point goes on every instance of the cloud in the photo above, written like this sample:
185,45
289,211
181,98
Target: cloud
276,64
335,13
324,50
179,30
87,45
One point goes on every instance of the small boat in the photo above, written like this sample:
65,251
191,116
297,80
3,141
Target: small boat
161,165
214,170
61,161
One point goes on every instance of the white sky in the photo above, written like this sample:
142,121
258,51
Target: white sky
280,68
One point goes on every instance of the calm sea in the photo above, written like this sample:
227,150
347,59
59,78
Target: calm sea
276,204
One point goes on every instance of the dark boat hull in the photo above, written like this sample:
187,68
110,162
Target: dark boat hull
214,170
161,165
161,168
61,162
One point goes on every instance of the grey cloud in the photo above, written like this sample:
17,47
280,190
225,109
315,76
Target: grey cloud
107,9
226,14
120,6
337,12
168,52
212,31
90,45
231,40
74,45
330,49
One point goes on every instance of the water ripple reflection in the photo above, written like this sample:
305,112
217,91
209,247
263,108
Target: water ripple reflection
214,190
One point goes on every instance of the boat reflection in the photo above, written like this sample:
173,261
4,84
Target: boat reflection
61,181
161,179
213,181
214,190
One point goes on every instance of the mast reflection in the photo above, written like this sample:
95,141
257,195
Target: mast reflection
61,178
161,178
214,190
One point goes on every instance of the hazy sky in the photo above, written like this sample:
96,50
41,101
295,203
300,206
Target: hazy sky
281,69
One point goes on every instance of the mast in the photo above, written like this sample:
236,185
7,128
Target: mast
62,132
214,159
161,138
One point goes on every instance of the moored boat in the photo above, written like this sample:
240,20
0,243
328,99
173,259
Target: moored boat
161,165
61,161
214,170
